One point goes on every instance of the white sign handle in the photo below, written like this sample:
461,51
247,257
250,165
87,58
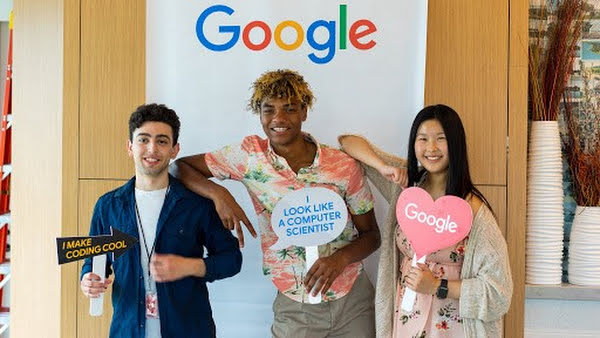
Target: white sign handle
408,301
98,268
312,254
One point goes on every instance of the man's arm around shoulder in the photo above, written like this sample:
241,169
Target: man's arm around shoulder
193,172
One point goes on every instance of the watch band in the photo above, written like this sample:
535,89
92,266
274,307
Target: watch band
442,291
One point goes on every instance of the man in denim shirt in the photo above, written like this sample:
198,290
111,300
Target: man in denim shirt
159,287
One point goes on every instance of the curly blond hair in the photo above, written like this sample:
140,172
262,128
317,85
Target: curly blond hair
280,83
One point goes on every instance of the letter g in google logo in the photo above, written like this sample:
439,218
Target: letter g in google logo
358,30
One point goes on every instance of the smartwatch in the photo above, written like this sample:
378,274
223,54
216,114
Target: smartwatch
442,291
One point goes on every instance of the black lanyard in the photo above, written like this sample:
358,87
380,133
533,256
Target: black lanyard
139,219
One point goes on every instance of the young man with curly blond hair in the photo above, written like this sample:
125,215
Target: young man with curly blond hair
290,159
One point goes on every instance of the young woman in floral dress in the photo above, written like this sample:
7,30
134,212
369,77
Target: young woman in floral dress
463,290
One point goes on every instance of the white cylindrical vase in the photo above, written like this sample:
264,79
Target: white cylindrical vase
544,205
584,247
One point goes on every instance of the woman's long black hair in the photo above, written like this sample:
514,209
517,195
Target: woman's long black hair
458,182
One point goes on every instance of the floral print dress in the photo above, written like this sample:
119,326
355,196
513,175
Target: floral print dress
431,317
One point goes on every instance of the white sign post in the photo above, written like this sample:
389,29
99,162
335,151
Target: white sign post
309,217
98,268
410,295
312,254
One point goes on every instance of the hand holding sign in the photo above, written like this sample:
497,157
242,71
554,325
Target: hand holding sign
72,249
92,285
309,217
430,226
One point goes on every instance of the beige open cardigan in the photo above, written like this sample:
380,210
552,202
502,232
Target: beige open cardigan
486,280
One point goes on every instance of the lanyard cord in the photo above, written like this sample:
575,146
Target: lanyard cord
139,219
148,253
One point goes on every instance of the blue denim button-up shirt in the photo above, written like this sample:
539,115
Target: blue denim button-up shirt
188,223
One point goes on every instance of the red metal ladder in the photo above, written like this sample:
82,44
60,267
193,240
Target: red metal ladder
6,168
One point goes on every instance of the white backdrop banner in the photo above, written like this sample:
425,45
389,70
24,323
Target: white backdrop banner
364,60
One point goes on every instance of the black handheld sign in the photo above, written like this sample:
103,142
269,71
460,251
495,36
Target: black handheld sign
72,249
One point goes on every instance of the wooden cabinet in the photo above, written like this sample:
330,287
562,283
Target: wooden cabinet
112,83
477,64
467,69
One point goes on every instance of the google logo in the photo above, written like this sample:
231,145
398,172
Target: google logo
358,34
441,224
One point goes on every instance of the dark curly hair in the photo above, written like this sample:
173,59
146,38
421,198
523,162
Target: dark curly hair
280,83
153,112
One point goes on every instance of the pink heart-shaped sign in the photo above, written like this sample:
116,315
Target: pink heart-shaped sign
431,226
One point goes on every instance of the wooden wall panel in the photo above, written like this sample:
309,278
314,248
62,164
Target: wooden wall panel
112,83
496,195
477,63
517,198
88,326
79,71
466,68
37,167
112,86
517,164
70,162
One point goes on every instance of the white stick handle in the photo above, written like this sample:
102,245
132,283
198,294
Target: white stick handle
98,268
312,254
408,301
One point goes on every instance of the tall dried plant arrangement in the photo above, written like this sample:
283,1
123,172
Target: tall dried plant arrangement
583,146
551,55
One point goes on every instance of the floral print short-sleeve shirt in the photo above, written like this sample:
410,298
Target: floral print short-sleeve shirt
268,178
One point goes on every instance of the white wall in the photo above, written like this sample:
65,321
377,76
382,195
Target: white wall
210,90
375,93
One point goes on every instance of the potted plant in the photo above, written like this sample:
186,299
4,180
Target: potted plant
551,54
582,148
